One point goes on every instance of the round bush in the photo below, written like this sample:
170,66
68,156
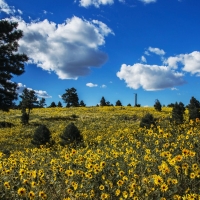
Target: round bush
147,120
41,136
71,134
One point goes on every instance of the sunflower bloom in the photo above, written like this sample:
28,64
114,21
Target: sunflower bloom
117,192
31,195
164,187
101,187
21,191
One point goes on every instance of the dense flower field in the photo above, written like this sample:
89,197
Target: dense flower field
119,159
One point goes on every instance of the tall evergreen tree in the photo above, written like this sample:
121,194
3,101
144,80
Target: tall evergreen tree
157,105
11,62
178,112
118,103
70,97
82,104
103,102
59,104
193,108
52,105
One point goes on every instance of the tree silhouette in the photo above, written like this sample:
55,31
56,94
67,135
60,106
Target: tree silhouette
118,103
29,100
157,105
82,104
193,108
52,105
178,112
70,97
103,102
11,62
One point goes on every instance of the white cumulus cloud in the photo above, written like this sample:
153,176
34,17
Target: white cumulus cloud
157,51
4,7
143,59
149,77
96,3
103,86
91,85
148,1
39,93
68,49
190,62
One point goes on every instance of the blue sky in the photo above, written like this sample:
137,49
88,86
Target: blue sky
110,48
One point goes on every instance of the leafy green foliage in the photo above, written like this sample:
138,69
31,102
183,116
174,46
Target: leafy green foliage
41,136
11,62
71,134
147,120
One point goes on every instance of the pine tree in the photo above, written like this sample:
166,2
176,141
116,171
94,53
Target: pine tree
157,105
82,104
193,108
103,102
52,105
178,112
118,103
70,97
11,62
59,104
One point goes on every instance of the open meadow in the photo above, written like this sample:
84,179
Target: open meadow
118,160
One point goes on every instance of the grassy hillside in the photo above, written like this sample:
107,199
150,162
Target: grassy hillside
119,160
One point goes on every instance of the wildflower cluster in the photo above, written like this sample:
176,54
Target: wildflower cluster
120,160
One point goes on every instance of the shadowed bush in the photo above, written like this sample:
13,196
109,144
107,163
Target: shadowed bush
41,136
147,120
70,135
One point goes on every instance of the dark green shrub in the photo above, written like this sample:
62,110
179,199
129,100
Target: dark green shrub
147,120
74,116
157,105
41,136
70,135
6,125
25,118
193,108
178,113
